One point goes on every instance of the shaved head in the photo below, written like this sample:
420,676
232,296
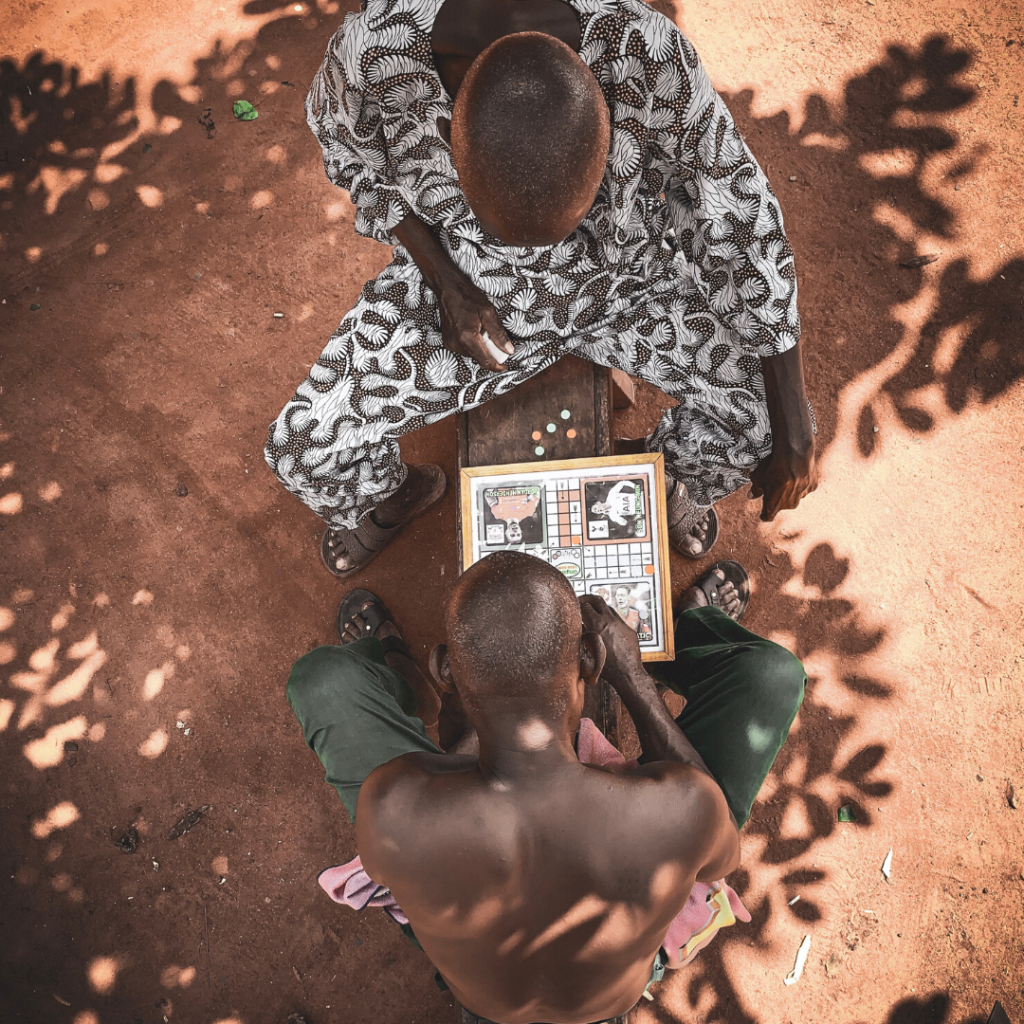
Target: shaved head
530,138
514,630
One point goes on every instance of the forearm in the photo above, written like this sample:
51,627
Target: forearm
660,738
427,253
788,411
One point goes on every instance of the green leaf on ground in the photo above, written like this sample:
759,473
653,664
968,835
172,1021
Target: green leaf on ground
847,813
244,111
35,306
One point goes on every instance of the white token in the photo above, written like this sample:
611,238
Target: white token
499,356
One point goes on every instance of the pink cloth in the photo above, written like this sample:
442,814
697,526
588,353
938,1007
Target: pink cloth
351,885
708,908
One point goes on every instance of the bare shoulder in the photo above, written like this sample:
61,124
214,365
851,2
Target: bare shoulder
392,799
391,786
691,806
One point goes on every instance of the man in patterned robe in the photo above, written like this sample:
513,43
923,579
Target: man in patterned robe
610,210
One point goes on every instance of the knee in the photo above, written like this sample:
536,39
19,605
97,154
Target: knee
776,678
328,670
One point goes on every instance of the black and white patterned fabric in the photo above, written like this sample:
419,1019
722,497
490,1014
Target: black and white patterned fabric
681,273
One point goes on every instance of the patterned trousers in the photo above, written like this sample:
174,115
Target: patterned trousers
384,373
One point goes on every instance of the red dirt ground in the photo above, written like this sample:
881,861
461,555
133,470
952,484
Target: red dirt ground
157,257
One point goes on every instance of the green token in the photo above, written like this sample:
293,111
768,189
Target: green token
539,450
565,414
551,428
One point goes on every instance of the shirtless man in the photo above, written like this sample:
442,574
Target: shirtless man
555,176
542,888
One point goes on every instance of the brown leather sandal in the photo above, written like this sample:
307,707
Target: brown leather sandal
367,540
678,502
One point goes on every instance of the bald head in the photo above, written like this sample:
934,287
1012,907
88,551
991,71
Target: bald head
514,630
530,137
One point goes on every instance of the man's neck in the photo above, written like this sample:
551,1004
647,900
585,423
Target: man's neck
524,750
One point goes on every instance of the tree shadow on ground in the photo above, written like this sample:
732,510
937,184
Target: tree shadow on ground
872,179
865,190
72,147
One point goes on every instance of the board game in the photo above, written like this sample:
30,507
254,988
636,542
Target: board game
600,522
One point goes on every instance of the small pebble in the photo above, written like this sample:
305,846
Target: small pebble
35,306
792,177
539,450
874,430
180,725
222,880
181,490
980,778
552,428
565,414
156,865
278,316
187,732
197,277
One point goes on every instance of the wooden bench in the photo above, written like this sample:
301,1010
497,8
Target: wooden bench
501,431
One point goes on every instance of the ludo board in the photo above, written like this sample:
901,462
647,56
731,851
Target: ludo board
600,522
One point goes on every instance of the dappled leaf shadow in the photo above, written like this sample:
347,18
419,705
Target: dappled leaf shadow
55,128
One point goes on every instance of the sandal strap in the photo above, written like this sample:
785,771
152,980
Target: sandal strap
369,535
394,644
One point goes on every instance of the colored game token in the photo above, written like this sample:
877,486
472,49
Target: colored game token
565,414
570,433
552,428
536,435
539,450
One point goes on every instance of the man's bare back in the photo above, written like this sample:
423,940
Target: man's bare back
542,888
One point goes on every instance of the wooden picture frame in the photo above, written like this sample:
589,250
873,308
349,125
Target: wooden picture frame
607,466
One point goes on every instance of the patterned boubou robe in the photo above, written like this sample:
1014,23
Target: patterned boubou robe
680,274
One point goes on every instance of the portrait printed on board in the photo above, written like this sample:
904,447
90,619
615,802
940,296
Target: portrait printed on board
513,515
616,510
633,602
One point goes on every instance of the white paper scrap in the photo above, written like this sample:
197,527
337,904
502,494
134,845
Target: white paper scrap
801,958
887,865
499,355
795,899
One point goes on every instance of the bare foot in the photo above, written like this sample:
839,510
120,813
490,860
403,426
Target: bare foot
696,540
702,534
728,597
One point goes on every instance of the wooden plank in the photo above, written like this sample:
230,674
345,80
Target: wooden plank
500,431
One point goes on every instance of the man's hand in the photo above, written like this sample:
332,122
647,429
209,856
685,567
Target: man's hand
790,472
622,660
466,313
783,479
